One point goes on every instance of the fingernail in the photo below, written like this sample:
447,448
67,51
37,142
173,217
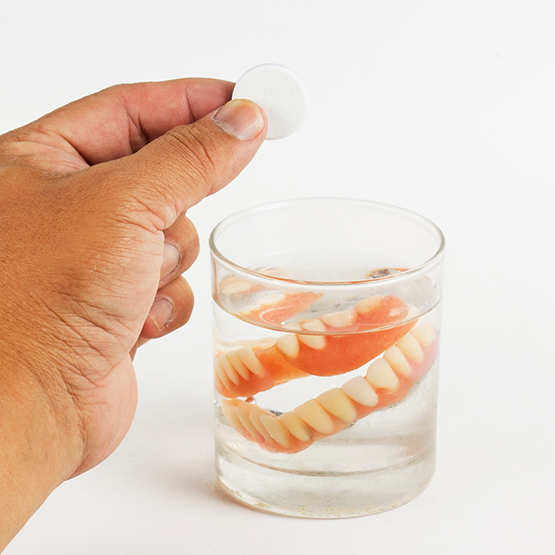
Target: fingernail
170,260
241,118
161,313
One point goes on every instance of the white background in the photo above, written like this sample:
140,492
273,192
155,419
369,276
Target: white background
445,108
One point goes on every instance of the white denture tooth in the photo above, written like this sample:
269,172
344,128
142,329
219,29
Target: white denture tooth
293,326
413,313
288,345
244,414
314,325
263,306
255,415
316,342
227,367
295,425
230,412
226,281
250,308
425,334
359,390
272,299
340,319
236,287
398,362
222,375
248,358
238,364
369,304
273,272
276,429
336,402
410,347
315,416
381,376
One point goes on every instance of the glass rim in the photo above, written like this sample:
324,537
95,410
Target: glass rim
401,276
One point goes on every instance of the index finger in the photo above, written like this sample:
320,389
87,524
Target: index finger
120,120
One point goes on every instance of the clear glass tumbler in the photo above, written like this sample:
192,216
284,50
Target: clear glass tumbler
326,332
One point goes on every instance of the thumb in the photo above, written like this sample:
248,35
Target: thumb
190,162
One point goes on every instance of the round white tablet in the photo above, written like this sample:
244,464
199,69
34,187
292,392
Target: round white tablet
279,92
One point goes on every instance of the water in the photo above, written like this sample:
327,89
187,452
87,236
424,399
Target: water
375,463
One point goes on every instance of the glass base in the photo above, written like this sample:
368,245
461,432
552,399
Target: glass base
323,495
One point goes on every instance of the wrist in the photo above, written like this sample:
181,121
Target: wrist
40,440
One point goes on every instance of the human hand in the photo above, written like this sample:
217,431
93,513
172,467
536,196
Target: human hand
93,239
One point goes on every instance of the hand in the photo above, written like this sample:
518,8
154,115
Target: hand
93,241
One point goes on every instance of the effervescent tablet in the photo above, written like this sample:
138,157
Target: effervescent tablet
279,92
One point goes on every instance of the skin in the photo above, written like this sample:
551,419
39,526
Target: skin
93,200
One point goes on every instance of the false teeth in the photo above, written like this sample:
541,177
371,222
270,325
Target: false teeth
238,364
359,390
296,425
248,358
336,402
236,287
276,429
381,376
425,334
288,345
228,369
397,361
410,347
340,319
315,416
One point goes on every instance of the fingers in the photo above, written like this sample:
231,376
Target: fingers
164,146
186,164
181,249
174,301
171,309
120,120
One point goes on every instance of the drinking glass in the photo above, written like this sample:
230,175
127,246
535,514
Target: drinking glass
326,337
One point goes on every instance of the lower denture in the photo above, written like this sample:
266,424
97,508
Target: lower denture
331,413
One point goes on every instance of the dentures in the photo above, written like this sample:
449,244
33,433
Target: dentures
387,381
307,352
324,346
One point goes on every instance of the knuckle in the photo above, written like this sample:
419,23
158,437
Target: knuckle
195,150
